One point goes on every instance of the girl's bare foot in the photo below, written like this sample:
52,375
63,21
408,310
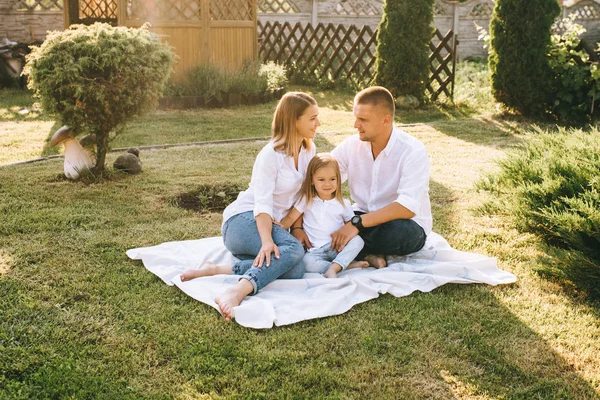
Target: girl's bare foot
358,264
376,261
233,297
333,270
206,269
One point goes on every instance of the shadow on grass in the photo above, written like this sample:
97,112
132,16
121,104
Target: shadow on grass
48,150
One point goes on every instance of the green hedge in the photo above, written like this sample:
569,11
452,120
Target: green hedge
402,60
552,187
519,65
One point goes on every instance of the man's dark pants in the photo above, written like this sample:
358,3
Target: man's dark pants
397,237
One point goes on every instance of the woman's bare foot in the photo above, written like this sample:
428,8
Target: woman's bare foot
206,269
333,270
376,261
233,297
358,264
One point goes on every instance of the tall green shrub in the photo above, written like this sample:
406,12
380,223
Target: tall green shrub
96,78
402,60
520,36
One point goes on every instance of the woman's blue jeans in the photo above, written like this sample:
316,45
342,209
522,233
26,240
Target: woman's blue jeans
241,238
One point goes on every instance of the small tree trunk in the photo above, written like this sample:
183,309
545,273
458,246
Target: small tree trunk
102,148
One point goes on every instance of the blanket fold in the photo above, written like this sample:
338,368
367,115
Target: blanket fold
285,302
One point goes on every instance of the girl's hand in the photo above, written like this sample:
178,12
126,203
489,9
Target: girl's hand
264,255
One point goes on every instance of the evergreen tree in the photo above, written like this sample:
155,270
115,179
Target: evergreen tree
402,60
519,64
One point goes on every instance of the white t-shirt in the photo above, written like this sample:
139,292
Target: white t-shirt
322,218
399,174
275,184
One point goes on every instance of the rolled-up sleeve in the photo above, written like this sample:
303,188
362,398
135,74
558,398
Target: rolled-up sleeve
264,178
414,182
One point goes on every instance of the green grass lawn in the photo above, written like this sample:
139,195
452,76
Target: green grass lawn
78,319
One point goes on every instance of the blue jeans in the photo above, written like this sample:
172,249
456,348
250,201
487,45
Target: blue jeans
398,237
241,238
319,259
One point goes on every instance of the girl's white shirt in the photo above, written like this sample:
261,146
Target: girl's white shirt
322,218
275,184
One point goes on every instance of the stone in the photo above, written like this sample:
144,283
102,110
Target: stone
129,163
407,101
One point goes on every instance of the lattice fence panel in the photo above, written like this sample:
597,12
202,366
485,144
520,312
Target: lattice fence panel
325,51
338,52
278,6
38,5
589,11
97,9
442,63
358,7
232,10
163,10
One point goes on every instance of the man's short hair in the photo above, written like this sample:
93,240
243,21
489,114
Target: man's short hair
377,96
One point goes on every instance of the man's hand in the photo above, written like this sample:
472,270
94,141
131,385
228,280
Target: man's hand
342,236
302,237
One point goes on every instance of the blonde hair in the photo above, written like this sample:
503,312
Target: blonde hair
290,108
321,160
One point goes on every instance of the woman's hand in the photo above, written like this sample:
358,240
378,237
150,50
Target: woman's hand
264,254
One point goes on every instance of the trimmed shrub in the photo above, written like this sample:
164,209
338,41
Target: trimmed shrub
576,84
402,60
552,188
519,65
96,78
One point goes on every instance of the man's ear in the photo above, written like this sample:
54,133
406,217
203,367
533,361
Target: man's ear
387,119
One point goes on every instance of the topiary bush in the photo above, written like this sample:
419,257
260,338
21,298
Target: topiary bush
518,61
402,59
97,77
552,188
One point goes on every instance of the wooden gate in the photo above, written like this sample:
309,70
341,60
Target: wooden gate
220,32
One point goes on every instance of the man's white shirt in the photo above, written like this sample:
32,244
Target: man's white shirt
399,174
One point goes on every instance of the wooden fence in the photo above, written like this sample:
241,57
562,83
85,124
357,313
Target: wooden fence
341,52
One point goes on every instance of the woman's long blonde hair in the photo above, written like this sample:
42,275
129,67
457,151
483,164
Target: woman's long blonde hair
290,108
321,160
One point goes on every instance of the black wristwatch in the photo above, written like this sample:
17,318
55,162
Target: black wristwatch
357,222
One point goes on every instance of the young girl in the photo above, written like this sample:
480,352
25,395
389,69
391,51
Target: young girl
325,211
266,251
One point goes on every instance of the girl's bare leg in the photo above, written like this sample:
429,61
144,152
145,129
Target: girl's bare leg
206,269
233,297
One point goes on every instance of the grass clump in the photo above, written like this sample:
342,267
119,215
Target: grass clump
212,81
208,198
552,187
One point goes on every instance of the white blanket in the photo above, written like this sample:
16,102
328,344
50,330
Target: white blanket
287,301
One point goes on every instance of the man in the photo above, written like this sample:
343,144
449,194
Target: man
388,176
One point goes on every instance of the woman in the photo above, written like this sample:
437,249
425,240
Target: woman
267,251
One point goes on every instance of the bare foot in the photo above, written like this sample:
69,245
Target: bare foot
206,269
333,270
233,297
358,264
376,261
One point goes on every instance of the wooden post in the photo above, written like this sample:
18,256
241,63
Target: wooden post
455,27
205,30
315,13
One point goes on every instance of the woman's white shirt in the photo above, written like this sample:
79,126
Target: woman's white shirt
275,184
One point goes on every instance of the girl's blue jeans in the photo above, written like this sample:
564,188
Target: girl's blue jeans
241,238
318,260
